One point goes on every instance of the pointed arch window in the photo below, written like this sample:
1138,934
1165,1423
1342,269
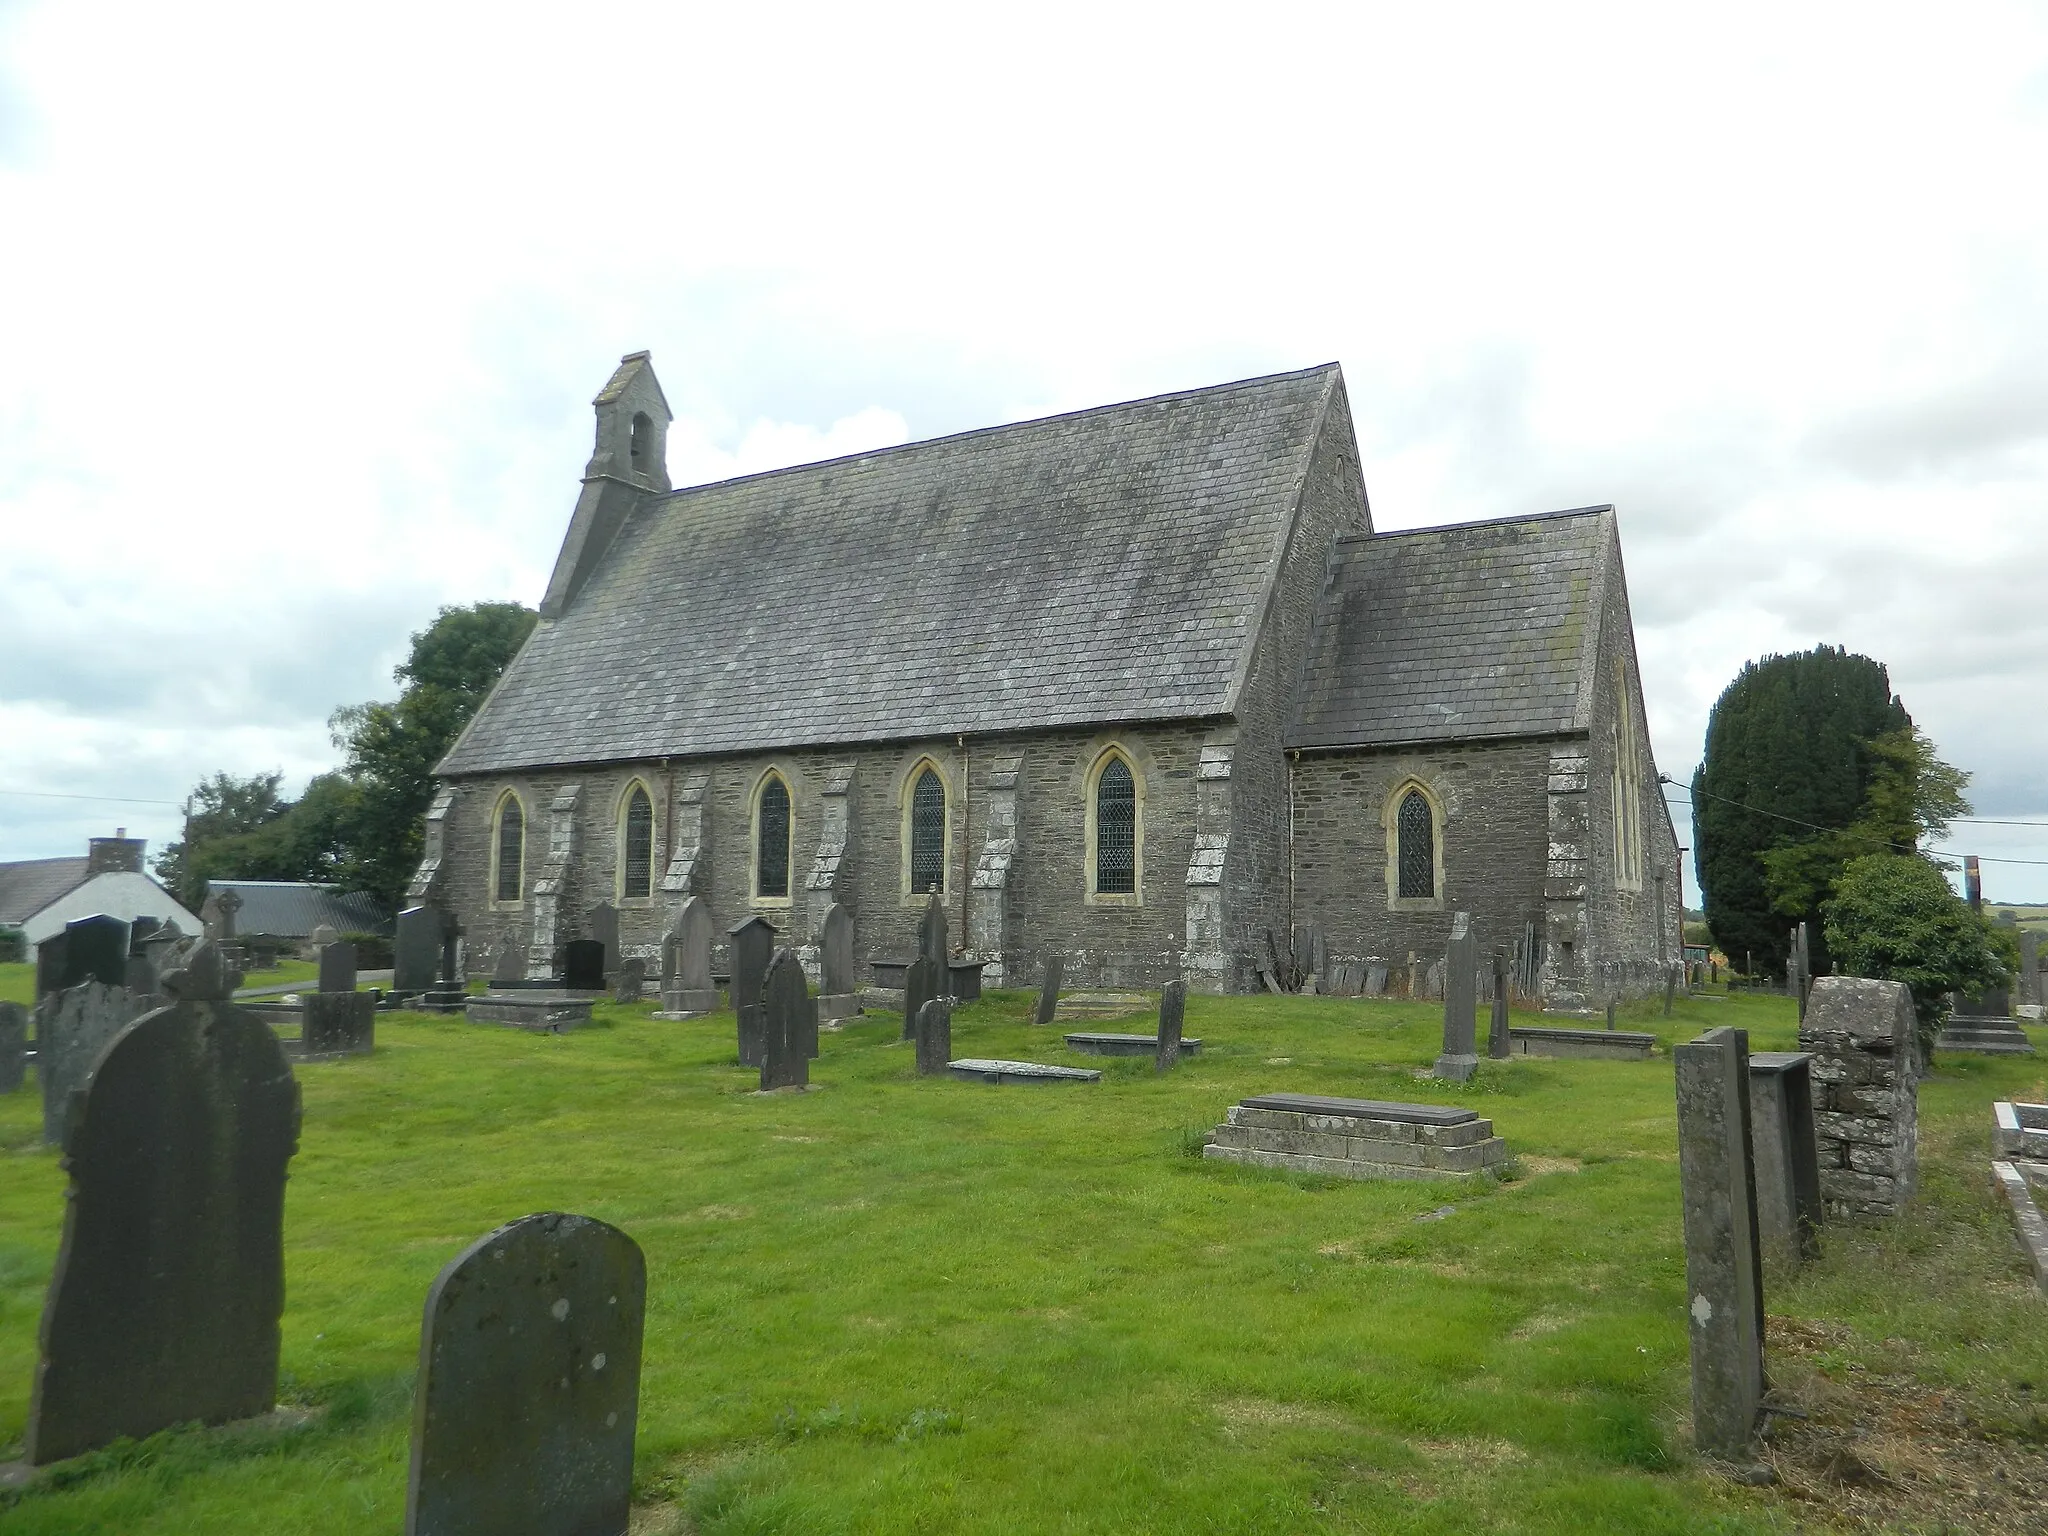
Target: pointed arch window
508,852
927,832
636,845
1416,829
1116,829
1625,789
771,840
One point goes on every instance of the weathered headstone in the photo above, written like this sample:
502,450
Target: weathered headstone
1866,1099
933,1030
169,1282
1173,1008
753,947
416,951
138,977
1499,1045
508,966
1788,1207
934,943
919,988
837,998
686,985
629,980
1460,1058
1049,988
602,926
72,1028
338,967
529,1384
89,949
1723,1256
337,1023
2030,966
1376,973
789,1024
583,965
13,1046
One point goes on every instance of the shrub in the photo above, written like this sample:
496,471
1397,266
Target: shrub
1895,917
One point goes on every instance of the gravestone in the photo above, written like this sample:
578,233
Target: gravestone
2030,966
753,947
508,966
1460,1058
338,967
934,944
837,998
686,986
1782,1146
629,981
920,986
934,1034
416,951
789,1024
226,905
72,1028
583,965
602,925
1173,1007
1498,1043
1860,1033
138,977
89,949
529,1384
1376,973
169,1283
1723,1254
1049,988
337,1024
13,1046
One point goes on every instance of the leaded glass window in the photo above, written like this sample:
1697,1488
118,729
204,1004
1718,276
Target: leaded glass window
637,878
511,848
927,833
771,875
1116,830
1417,832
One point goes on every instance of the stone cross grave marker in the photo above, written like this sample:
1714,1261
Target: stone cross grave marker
1049,988
686,985
920,986
89,949
1173,1007
583,965
629,981
416,951
603,926
789,1024
753,947
529,1384
13,1046
1498,1043
934,1035
836,994
227,904
935,944
337,967
169,1283
1723,1253
1460,1058
72,1028
1783,1149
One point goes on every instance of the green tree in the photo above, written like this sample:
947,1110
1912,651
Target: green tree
1895,917
394,748
218,809
1788,751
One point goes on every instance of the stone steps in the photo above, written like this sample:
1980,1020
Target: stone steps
1985,1037
1357,1138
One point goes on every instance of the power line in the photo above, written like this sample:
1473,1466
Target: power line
1812,826
46,794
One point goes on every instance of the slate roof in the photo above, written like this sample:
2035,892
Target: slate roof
289,909
1108,565
1465,632
29,885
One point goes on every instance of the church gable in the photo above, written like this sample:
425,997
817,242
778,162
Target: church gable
1111,565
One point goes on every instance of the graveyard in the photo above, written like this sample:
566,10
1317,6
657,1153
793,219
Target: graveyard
896,1300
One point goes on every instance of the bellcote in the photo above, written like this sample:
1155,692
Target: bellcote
632,427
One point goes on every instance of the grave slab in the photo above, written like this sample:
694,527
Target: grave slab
975,1069
1098,1043
542,1012
2032,1231
1580,1044
1357,1138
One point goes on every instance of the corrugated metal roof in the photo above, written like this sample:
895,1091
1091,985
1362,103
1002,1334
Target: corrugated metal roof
292,910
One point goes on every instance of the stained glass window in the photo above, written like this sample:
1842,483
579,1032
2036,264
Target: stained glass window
638,876
1417,835
927,833
1116,830
772,871
511,848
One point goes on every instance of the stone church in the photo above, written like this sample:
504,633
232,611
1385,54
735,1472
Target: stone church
1138,684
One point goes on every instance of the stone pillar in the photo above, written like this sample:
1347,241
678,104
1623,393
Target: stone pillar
1788,1206
1567,961
988,897
552,886
1866,1094
1205,961
824,884
1460,1058
1723,1260
426,880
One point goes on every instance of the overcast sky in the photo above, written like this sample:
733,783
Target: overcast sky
301,311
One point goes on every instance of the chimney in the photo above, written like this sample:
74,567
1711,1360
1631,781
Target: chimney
119,852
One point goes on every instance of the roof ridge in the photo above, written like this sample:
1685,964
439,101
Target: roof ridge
1006,426
1483,522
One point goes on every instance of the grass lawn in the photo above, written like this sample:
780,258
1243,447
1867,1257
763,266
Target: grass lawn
899,1305
18,984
